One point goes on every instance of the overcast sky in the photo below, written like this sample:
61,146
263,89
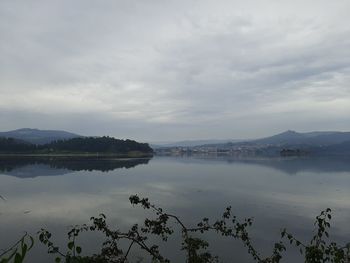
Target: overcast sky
159,70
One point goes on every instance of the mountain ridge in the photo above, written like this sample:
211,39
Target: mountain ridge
285,143
309,138
37,136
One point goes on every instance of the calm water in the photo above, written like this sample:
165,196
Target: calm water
277,192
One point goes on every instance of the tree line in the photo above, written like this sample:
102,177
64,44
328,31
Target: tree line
103,144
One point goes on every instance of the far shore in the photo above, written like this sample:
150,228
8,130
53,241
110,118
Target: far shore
89,155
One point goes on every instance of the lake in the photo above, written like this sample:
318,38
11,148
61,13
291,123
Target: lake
276,192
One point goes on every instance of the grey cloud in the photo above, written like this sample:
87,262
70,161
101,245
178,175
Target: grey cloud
156,70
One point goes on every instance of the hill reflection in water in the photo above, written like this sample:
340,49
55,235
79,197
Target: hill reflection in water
276,192
288,165
28,167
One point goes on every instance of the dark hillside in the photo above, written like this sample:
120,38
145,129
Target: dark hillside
36,136
98,144
101,145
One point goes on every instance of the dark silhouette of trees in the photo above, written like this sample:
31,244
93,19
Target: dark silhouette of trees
98,144
10,145
76,145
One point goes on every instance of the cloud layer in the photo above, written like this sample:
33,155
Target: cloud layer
161,70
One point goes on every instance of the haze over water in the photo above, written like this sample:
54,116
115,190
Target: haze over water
277,192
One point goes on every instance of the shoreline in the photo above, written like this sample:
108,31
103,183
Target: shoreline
80,155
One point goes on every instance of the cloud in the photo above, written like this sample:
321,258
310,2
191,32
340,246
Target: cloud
178,67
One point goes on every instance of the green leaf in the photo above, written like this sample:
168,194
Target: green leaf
18,258
24,250
78,249
12,255
71,245
57,260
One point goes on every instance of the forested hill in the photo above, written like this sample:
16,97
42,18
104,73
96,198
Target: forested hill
103,145
37,136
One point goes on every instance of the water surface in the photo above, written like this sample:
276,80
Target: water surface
280,192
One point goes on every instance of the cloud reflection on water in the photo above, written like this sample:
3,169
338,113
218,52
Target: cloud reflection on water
191,188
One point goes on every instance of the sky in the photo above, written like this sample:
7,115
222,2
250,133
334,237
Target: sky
162,70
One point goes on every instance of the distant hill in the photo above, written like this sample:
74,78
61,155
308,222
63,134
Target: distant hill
290,142
82,145
36,136
103,144
342,149
317,138
309,138
316,143
193,143
310,143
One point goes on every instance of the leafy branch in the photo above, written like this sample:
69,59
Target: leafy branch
17,252
118,245
318,249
